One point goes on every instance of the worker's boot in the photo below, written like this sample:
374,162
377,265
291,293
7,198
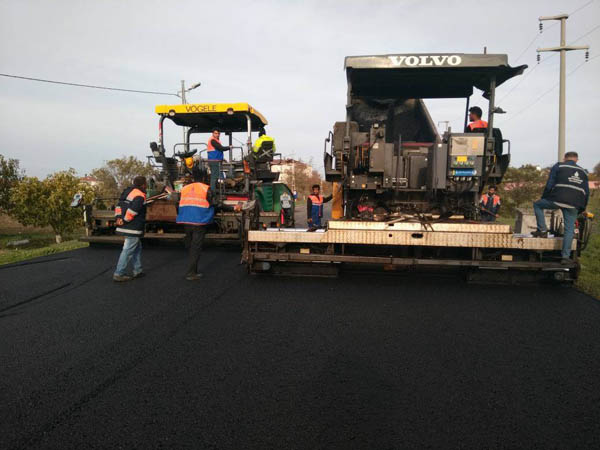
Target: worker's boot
565,261
540,234
194,276
121,278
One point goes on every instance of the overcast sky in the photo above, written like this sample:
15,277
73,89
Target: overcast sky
283,57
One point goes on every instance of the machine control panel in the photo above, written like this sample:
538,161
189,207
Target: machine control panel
462,161
467,144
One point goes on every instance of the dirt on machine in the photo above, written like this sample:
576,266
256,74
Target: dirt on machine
245,180
408,196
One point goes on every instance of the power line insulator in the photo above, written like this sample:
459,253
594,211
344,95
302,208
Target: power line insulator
587,55
539,58
541,27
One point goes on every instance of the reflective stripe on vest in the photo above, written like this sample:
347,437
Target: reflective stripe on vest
316,200
130,215
478,124
135,193
570,186
129,231
194,194
194,208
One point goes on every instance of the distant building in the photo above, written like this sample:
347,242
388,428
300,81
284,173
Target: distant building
289,168
92,181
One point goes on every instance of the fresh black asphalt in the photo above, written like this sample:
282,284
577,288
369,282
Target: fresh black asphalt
238,361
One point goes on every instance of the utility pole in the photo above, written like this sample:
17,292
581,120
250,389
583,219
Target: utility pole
563,49
181,95
183,102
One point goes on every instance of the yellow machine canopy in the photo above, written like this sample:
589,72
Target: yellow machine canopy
205,117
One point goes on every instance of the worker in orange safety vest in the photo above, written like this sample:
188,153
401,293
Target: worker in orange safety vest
476,125
314,206
489,205
195,213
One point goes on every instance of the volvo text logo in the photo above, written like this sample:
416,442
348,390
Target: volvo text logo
425,60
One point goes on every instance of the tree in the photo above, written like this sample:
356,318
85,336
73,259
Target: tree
119,173
107,184
596,172
10,174
47,203
304,178
521,187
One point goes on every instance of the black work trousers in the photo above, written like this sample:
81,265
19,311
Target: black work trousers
194,237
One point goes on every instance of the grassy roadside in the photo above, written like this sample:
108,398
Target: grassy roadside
8,256
589,279
41,242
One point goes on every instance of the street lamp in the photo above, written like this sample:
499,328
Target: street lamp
181,95
194,86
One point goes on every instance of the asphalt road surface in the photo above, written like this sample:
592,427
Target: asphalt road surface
238,361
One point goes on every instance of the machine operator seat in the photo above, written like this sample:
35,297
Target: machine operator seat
265,152
498,141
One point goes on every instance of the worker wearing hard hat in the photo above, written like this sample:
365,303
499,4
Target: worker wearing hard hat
476,125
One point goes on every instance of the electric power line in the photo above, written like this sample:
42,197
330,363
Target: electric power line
586,34
581,7
549,90
85,85
547,59
505,96
538,35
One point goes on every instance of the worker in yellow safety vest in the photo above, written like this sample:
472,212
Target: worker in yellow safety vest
264,145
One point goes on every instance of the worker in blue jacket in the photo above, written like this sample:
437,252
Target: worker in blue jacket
130,218
567,189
